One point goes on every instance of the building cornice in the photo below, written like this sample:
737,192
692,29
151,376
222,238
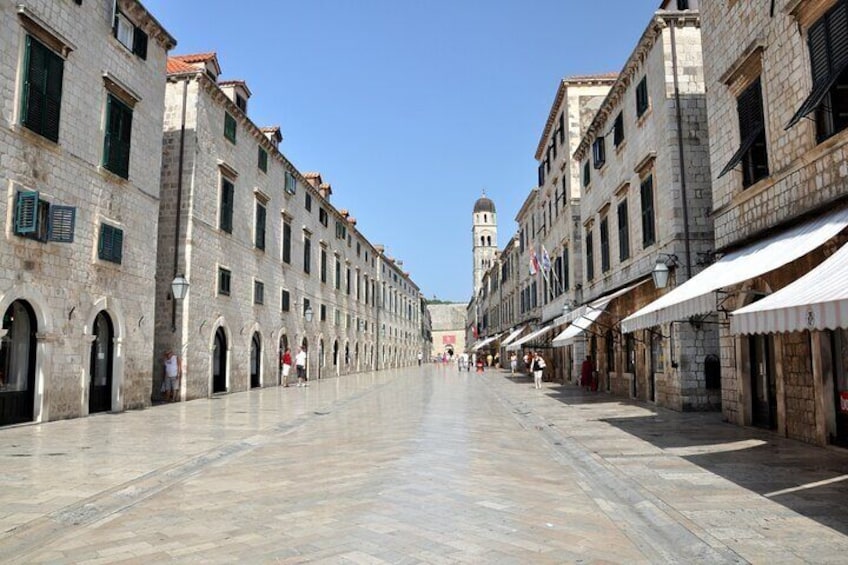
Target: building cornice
660,21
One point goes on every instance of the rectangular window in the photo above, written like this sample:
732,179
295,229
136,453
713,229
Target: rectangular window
561,130
657,354
642,101
358,249
241,103
618,129
605,246
224,279
541,174
42,89
37,219
258,292
229,127
259,235
587,174
225,221
129,35
287,242
262,160
347,281
566,273
307,201
623,232
291,183
322,217
590,258
116,145
752,153
306,306
649,235
307,255
285,301
338,277
323,265
323,312
110,244
599,152
629,353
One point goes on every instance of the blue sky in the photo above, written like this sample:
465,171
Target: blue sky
410,108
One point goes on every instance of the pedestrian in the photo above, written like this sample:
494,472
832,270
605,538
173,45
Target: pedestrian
538,367
171,384
287,364
489,360
513,363
420,358
498,360
300,366
586,371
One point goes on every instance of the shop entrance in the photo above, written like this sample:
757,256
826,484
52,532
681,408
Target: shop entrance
763,386
839,346
256,361
17,364
100,367
219,362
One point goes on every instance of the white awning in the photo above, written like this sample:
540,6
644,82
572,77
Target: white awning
816,301
587,314
512,336
485,342
696,296
601,303
529,337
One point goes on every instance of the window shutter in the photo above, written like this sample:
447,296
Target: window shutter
140,43
34,85
817,43
837,31
117,245
61,225
26,212
104,245
260,226
53,96
227,197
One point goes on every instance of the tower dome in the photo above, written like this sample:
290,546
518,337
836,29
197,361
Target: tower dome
484,204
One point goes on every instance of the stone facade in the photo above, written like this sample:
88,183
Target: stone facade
645,196
81,304
306,254
448,322
806,175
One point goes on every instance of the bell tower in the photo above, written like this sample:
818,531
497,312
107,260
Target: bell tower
484,235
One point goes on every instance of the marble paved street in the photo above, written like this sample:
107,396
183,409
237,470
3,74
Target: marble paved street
421,465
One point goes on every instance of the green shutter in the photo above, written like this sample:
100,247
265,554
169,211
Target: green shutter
263,160
42,95
229,127
260,226
227,197
53,95
61,225
117,141
111,243
26,212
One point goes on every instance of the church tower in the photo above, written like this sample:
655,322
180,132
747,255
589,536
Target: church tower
484,234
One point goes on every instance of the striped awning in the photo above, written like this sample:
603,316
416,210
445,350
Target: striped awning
816,301
515,346
578,327
485,342
697,295
512,336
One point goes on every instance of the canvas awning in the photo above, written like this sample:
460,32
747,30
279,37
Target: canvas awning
512,336
586,315
515,346
816,301
485,342
697,295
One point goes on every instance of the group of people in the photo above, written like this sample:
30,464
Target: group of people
300,366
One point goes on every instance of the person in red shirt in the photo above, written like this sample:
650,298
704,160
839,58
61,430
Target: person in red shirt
287,364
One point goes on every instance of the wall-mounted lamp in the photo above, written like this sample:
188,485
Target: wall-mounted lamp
179,287
308,313
665,262
568,306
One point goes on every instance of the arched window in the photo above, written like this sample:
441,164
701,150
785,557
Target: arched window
485,217
489,241
482,240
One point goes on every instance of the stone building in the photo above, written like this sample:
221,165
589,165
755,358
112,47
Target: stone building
270,261
82,95
780,191
484,238
448,329
646,202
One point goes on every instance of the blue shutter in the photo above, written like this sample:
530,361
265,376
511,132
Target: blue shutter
104,243
61,225
26,212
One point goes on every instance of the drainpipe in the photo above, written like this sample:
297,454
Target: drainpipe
681,156
179,201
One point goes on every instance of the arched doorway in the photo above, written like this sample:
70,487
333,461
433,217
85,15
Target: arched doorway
304,344
219,362
17,364
336,355
100,368
256,361
320,357
347,356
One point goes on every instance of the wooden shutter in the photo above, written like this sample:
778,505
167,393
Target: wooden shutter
227,201
61,225
117,142
260,226
837,32
140,43
26,212
647,194
53,95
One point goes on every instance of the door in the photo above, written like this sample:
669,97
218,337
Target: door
839,342
17,364
219,362
763,387
100,368
256,361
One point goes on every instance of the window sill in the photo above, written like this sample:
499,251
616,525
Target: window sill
109,175
644,117
620,147
39,139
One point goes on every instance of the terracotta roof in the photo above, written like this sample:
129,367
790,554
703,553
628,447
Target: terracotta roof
195,57
177,66
312,175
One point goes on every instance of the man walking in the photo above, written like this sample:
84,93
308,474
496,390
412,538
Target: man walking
300,366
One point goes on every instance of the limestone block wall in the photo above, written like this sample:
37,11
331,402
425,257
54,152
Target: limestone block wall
66,283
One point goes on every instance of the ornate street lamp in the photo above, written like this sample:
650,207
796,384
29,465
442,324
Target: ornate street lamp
662,269
308,313
179,287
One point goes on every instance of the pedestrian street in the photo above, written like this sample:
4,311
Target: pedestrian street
417,465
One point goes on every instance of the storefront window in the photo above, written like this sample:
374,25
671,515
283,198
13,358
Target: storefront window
657,353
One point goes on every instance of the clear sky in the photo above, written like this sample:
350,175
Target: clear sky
410,108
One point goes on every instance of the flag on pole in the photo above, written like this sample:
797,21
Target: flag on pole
546,260
534,262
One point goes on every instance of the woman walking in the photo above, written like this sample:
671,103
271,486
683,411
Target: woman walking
537,366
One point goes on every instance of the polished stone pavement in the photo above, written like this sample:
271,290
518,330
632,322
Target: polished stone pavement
421,465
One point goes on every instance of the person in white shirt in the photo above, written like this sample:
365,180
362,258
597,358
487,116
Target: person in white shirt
171,385
300,366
